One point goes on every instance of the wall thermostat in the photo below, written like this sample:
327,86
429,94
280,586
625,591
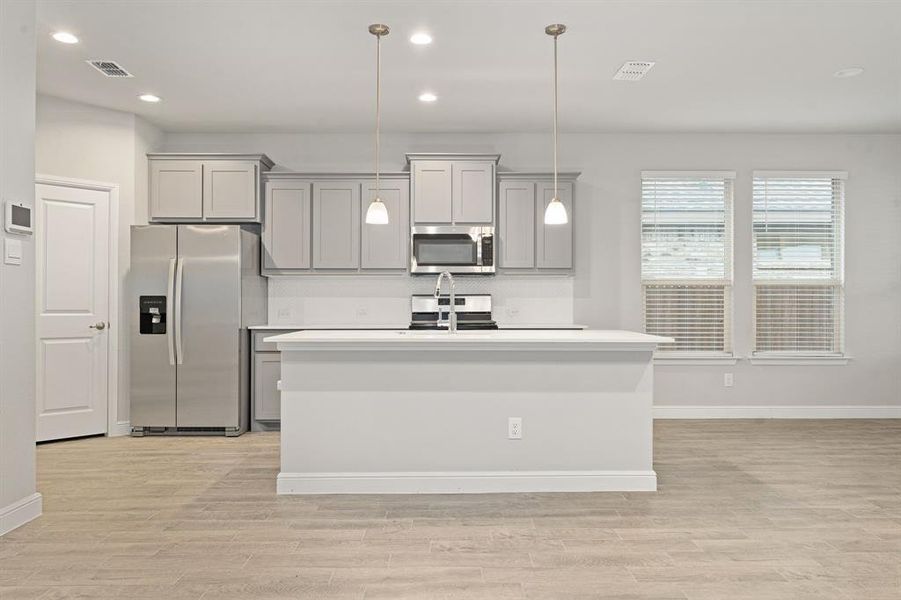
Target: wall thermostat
18,218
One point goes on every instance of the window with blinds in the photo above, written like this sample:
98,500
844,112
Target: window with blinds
686,260
798,246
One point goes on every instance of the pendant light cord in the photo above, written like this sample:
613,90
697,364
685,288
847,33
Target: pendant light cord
378,108
555,120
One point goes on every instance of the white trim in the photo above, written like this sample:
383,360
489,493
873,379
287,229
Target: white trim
693,174
800,174
20,512
778,412
466,482
674,358
113,425
120,428
799,360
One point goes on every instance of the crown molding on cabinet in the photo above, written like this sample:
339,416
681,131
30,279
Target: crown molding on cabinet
563,176
267,162
275,175
456,156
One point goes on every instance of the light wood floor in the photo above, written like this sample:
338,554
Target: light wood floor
746,510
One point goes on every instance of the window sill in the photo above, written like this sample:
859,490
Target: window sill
700,359
799,360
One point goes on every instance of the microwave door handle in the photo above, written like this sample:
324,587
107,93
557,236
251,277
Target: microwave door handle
479,250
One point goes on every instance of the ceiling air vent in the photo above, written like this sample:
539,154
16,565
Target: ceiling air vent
633,70
109,68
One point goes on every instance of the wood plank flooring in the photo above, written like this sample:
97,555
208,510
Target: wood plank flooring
746,510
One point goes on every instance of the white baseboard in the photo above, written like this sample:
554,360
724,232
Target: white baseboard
777,412
20,512
475,482
120,428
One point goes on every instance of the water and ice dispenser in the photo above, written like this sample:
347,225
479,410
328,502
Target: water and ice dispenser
153,314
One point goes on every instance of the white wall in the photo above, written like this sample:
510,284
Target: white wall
87,142
606,290
19,501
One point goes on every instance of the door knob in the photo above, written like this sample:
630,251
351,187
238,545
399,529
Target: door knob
98,326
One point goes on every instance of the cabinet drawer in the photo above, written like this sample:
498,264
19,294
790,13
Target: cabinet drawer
258,336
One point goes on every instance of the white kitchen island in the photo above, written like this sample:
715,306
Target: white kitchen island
429,412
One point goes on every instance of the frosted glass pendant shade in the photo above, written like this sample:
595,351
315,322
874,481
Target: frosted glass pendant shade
554,214
377,213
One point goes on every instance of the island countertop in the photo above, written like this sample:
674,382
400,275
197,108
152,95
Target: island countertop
589,339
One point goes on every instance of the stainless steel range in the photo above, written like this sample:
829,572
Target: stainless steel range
473,312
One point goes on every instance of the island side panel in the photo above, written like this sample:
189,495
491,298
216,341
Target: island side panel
421,421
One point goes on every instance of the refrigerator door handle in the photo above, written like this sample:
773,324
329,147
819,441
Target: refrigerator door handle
179,276
170,308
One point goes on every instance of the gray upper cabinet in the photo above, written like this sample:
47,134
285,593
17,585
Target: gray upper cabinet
386,246
432,191
473,192
525,243
315,224
451,189
230,190
287,229
554,247
516,224
190,187
176,190
336,224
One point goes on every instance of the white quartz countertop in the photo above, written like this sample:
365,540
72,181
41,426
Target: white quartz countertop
395,326
536,339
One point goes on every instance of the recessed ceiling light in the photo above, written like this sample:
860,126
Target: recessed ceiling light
149,98
427,97
421,38
849,72
65,37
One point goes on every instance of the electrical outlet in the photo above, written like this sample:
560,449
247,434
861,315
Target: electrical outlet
362,312
284,313
728,380
514,428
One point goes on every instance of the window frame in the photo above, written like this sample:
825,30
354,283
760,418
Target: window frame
836,281
706,357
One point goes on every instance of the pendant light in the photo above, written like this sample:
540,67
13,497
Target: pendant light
555,213
377,213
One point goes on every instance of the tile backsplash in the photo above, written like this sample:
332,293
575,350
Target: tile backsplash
385,300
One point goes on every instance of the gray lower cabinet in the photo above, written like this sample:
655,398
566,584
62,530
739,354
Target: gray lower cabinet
267,369
265,374
192,187
525,243
316,224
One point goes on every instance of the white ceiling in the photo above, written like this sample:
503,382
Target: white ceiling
265,65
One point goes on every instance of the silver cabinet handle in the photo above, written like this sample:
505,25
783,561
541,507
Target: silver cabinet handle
179,275
170,308
98,326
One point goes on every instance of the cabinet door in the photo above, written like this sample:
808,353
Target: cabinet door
473,192
286,230
230,190
516,225
555,242
432,191
267,370
386,246
176,190
336,225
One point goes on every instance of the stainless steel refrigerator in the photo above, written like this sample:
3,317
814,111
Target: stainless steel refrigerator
193,292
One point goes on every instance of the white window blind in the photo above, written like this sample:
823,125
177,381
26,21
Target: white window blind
686,260
798,245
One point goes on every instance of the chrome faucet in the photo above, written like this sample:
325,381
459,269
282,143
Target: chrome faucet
452,315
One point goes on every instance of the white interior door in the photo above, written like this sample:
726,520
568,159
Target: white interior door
72,279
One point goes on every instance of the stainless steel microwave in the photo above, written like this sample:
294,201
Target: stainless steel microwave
437,248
